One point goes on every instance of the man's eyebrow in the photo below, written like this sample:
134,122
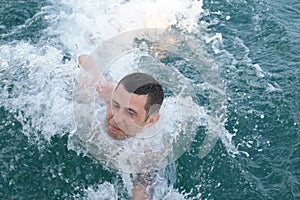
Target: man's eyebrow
114,102
131,110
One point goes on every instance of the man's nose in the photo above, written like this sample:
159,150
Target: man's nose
118,116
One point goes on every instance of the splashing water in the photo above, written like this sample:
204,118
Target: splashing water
37,79
36,89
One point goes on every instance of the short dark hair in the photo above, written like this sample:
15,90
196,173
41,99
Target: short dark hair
144,84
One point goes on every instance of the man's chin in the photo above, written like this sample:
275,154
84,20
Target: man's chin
117,135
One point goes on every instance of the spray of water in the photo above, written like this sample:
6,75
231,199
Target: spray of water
36,89
37,86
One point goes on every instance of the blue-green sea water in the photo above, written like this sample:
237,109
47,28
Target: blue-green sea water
256,45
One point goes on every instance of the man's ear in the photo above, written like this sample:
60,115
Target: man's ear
152,119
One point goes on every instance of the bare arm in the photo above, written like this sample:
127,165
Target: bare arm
144,186
90,84
89,65
103,87
139,193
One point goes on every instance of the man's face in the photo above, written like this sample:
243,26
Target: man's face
126,114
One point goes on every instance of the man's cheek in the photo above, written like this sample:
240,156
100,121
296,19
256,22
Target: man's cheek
108,113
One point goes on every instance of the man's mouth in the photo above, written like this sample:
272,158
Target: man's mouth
116,132
115,127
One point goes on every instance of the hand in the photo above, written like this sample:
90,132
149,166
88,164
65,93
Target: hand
105,89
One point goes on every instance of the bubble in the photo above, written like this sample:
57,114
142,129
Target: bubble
154,147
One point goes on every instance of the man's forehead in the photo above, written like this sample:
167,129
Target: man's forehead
121,95
120,91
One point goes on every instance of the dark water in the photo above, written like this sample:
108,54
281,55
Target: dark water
259,61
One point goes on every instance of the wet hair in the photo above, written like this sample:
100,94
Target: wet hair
143,84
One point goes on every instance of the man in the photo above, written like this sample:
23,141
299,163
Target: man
132,106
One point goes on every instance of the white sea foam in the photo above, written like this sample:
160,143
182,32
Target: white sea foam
38,85
89,22
103,191
259,72
42,88
37,88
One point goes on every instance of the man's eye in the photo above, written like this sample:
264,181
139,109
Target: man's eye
131,113
115,105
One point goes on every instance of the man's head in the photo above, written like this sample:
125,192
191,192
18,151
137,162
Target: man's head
134,105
